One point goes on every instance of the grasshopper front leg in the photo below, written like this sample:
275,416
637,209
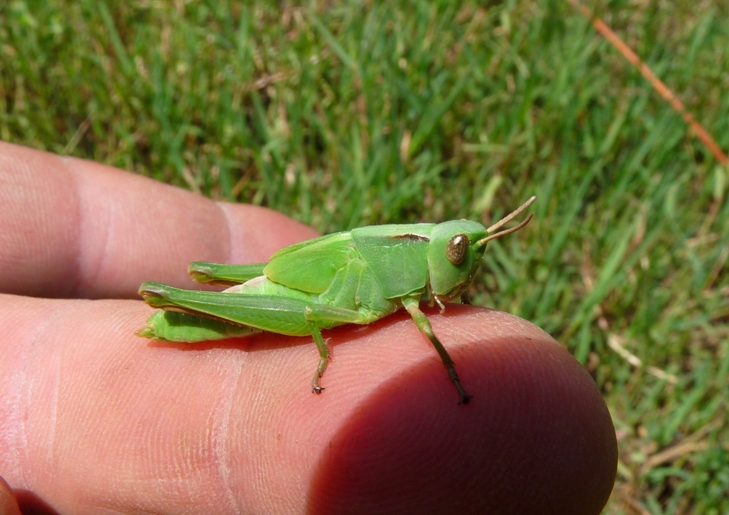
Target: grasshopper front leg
411,304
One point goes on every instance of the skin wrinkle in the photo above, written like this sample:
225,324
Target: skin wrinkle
22,386
75,202
90,267
55,370
221,432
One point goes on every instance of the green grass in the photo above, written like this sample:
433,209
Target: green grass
342,114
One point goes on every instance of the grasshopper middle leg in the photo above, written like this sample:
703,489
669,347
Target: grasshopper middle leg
322,312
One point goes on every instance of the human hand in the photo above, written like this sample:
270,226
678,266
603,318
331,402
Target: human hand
93,418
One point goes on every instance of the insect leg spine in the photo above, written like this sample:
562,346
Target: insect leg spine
440,304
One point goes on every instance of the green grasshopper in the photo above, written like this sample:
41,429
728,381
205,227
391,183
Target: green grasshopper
353,277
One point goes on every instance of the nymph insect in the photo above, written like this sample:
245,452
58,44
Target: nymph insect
353,277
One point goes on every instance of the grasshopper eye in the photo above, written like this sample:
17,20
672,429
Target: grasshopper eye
456,248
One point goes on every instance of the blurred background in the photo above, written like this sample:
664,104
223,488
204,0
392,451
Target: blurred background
343,114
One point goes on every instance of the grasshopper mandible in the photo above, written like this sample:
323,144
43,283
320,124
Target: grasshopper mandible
353,277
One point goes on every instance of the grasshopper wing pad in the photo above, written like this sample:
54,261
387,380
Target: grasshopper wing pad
310,266
306,243
396,255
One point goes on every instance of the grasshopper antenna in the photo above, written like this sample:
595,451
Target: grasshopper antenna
508,218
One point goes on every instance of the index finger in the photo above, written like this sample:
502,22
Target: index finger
75,228
233,427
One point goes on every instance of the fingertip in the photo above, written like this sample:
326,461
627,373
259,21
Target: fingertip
536,433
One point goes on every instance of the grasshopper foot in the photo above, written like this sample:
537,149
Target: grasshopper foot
319,373
465,398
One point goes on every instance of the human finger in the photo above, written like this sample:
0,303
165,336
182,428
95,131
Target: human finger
94,417
75,228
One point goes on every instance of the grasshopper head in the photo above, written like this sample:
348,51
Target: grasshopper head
454,255
456,249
